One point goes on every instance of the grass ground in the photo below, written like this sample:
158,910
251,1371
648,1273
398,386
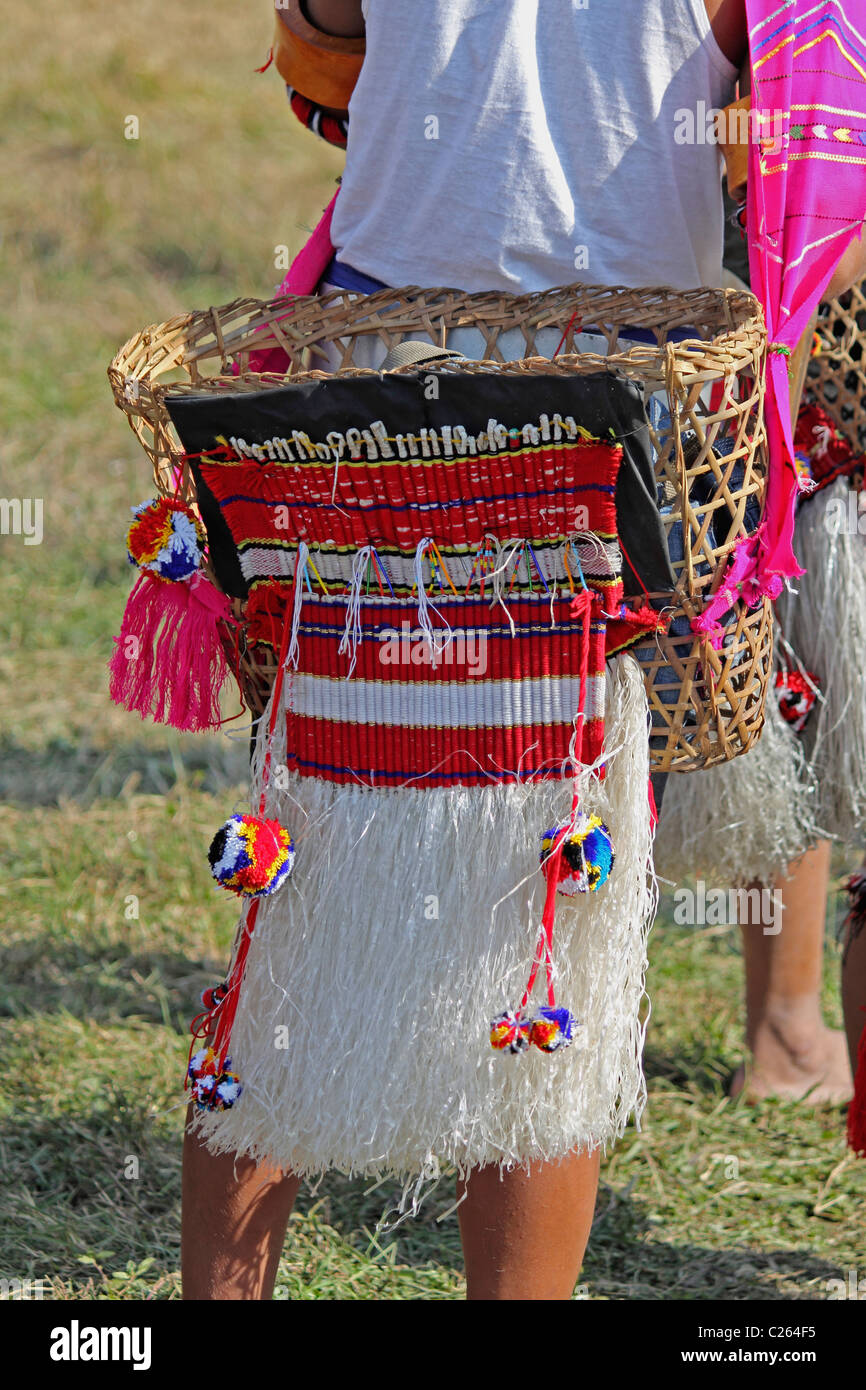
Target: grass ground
110,926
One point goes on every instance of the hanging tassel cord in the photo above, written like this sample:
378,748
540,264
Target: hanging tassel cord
216,1023
219,1020
276,698
544,948
581,607
225,1011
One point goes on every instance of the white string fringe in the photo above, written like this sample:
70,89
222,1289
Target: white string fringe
741,822
826,625
746,821
436,641
353,631
293,653
361,1035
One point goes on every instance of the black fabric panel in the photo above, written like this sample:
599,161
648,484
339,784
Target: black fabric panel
736,252
223,552
607,405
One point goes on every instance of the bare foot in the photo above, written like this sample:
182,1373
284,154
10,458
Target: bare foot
814,1069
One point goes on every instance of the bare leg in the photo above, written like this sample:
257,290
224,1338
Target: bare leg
794,1053
235,1214
524,1231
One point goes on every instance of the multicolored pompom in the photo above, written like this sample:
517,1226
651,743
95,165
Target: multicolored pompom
797,694
212,1089
549,1029
166,538
250,856
214,995
587,854
552,1028
510,1033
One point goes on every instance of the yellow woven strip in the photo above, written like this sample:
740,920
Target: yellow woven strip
833,110
833,158
316,573
539,542
829,34
767,56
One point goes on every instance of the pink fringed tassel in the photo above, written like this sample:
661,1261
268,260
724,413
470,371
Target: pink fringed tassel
857,1108
169,661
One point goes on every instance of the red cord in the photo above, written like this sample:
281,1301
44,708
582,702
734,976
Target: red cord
581,606
229,1005
565,334
632,567
277,691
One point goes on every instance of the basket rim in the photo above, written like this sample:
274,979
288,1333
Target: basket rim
305,321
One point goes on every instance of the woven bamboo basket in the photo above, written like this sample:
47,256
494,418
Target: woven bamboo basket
707,706
837,375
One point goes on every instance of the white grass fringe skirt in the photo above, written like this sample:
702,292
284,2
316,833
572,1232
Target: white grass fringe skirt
825,623
746,821
361,1036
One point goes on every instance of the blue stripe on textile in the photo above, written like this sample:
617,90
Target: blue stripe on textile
346,277
384,506
410,777
526,630
826,19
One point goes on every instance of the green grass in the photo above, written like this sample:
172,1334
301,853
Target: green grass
111,927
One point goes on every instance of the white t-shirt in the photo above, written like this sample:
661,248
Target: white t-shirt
518,144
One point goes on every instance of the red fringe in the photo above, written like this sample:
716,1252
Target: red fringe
169,661
857,1108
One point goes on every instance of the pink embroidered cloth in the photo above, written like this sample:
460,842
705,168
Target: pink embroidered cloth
806,201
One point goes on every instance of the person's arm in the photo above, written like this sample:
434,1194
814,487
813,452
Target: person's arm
728,22
850,271
341,17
